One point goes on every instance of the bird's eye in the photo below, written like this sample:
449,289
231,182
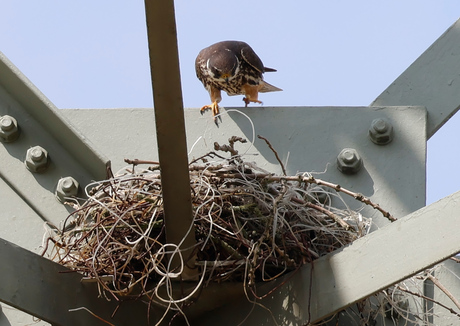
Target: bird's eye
215,73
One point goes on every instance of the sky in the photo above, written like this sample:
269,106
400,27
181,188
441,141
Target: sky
94,54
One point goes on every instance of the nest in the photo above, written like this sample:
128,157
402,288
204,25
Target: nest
250,226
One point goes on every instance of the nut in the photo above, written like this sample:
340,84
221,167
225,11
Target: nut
37,159
66,187
381,131
9,130
349,161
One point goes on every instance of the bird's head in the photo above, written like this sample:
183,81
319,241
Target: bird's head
223,65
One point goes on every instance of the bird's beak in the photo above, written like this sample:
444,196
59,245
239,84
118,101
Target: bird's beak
225,77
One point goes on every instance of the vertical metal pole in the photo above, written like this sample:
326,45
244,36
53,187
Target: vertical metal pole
170,122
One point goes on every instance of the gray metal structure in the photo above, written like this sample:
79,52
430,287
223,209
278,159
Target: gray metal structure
391,172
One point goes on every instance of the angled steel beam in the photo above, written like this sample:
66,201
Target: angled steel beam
42,110
170,122
39,123
47,290
433,81
55,294
368,265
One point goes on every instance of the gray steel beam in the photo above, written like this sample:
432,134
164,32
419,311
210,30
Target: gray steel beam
368,265
51,292
307,139
46,114
170,124
41,124
47,290
433,81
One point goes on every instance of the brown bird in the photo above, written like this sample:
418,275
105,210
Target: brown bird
234,67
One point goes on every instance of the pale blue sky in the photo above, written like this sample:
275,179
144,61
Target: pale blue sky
93,54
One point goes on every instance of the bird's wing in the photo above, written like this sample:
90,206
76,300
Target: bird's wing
252,58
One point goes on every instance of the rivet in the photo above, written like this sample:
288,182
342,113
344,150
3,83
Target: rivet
349,161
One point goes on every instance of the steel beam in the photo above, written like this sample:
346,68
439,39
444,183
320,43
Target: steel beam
307,139
40,108
40,124
51,292
47,290
433,81
170,123
370,264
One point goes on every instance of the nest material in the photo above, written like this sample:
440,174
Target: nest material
249,225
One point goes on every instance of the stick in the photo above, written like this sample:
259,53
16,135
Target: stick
274,152
428,299
444,289
137,161
309,179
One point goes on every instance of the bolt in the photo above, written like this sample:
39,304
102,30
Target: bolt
37,159
66,187
9,130
381,131
349,161
7,123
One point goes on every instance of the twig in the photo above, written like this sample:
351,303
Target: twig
355,195
231,145
455,259
336,218
138,162
444,289
274,152
333,216
92,313
225,148
429,299
309,179
203,157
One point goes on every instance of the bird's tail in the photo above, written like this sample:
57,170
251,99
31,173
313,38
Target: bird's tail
265,87
266,69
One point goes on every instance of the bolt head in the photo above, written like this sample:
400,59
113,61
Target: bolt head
37,159
349,161
9,130
349,156
6,123
66,187
381,131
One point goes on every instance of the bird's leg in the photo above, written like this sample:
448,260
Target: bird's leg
247,101
252,94
214,107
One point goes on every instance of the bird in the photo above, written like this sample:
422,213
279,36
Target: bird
233,67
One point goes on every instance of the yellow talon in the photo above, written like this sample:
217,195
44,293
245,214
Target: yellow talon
214,107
